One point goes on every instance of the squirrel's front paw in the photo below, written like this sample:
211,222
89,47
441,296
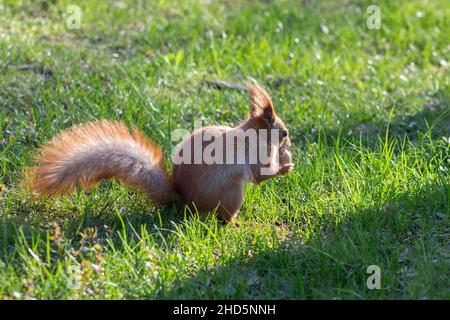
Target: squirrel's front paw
285,157
286,168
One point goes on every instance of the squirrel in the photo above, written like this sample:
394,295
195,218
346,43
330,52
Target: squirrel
85,154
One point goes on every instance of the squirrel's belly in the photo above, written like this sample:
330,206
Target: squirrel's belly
207,186
192,183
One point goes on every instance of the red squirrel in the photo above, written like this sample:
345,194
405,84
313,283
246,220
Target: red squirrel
85,154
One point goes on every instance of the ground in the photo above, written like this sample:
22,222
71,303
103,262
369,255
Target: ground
368,114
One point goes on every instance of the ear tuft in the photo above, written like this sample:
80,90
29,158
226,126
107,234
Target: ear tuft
260,103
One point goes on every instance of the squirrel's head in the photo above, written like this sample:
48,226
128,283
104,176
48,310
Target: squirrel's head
262,111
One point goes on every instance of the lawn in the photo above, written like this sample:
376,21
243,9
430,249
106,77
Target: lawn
368,114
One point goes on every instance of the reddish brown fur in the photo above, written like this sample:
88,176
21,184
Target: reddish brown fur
222,185
85,154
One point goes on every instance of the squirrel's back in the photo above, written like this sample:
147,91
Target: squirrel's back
85,154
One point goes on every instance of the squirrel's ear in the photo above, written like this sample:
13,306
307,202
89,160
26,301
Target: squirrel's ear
260,104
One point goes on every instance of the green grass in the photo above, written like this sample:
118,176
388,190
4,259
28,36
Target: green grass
368,113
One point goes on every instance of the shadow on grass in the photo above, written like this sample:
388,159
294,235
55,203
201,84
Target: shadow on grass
433,118
406,237
103,211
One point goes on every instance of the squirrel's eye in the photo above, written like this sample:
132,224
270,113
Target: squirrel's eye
284,133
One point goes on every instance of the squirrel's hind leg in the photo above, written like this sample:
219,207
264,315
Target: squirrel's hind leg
230,203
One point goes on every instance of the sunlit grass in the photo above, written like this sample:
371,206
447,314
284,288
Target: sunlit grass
367,112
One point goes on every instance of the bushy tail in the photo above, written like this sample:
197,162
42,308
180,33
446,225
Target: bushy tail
85,154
